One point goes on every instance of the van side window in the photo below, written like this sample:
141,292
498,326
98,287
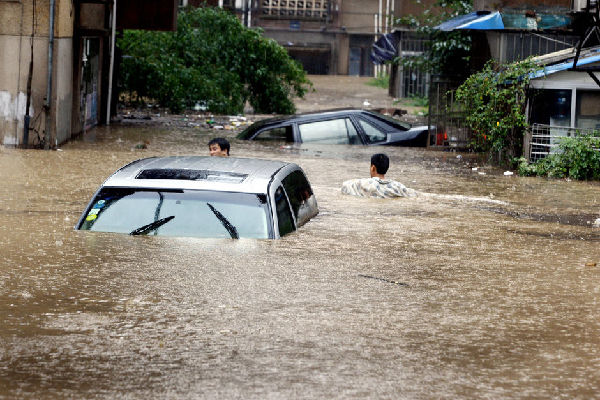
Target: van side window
297,188
284,215
301,196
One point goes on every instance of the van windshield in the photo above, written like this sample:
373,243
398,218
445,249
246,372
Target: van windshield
196,213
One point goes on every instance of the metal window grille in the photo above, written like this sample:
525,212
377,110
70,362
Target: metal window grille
544,139
411,81
295,9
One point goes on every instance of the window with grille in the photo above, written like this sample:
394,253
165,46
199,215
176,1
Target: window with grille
294,9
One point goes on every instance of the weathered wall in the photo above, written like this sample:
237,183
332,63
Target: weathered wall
13,84
406,7
492,5
63,89
16,29
343,54
357,15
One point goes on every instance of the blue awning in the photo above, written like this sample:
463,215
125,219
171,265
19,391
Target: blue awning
482,20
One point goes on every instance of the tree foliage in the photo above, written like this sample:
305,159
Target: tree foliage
448,52
494,102
214,60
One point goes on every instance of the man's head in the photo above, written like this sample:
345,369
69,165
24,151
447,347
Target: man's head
219,147
379,165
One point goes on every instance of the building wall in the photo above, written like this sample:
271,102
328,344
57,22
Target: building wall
357,16
493,5
15,39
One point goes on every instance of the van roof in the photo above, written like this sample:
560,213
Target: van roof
245,175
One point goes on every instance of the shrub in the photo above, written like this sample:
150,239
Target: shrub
576,158
382,80
494,104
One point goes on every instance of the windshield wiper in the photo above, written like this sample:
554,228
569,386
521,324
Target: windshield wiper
142,230
230,228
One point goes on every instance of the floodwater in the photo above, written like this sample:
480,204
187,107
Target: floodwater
488,289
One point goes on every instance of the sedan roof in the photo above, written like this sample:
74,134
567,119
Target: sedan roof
245,175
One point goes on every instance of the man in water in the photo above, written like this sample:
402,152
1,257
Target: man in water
219,147
377,186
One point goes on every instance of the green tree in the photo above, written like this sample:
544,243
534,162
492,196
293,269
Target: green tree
212,59
494,102
447,52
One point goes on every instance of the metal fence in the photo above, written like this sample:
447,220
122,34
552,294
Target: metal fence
543,140
447,121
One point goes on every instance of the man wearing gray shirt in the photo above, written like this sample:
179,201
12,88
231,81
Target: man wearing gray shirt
377,186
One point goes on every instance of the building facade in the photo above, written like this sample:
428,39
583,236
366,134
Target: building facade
327,37
330,37
56,63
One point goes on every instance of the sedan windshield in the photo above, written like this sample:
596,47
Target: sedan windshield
194,213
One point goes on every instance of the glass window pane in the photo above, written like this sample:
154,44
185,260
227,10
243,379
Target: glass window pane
353,137
124,210
334,131
284,215
588,109
283,133
551,107
373,133
298,189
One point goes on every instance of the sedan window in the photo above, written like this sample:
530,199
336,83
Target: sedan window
373,133
282,133
333,131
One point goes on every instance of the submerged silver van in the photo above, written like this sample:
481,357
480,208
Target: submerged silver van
202,197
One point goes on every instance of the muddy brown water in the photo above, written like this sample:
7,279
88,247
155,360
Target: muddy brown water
440,296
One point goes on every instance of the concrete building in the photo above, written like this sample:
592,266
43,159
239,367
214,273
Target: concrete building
56,63
330,37
562,37
325,36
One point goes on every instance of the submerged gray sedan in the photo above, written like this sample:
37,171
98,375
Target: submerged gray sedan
216,197
343,126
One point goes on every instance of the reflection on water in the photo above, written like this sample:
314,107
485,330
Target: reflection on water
439,296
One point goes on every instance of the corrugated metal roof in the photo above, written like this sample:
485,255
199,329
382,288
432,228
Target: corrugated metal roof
587,58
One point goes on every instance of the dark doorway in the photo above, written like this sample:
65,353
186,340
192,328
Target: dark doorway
314,61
